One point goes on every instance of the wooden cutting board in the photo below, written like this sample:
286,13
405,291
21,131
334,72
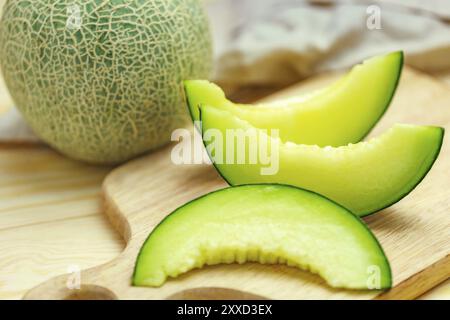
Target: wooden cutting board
415,232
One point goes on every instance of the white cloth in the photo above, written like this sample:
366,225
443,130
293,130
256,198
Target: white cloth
14,129
282,41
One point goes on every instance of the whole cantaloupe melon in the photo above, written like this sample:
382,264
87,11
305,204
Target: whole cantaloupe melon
101,81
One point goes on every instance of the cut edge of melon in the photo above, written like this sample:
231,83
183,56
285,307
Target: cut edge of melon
216,96
419,178
388,276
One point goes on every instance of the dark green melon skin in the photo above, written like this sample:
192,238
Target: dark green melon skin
111,89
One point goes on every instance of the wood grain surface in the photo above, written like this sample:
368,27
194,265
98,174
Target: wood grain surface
51,219
414,232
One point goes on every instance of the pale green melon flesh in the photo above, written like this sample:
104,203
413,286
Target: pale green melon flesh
342,113
111,88
363,177
266,224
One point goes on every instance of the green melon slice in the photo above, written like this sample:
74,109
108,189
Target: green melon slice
365,177
267,224
342,113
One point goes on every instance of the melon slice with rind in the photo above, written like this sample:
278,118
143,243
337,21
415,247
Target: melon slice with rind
267,224
341,113
364,177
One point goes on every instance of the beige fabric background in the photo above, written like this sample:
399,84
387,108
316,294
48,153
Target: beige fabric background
282,41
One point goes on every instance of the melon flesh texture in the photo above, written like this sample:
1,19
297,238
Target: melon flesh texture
267,224
364,177
112,88
341,113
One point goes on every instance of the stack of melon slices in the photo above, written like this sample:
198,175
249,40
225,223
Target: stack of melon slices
306,212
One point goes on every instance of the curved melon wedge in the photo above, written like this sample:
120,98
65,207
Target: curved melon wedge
365,177
342,113
267,224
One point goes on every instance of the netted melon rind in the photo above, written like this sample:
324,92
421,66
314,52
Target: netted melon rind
110,89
